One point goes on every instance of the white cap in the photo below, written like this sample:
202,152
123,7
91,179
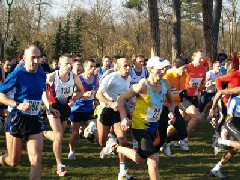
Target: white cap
166,62
155,62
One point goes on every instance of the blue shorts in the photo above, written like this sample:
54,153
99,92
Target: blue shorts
81,116
22,126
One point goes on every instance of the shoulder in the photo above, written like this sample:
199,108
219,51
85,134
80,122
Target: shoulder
51,76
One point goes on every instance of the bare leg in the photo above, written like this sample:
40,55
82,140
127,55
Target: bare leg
14,151
75,132
34,148
56,135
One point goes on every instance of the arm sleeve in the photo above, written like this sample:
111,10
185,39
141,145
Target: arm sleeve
221,79
9,83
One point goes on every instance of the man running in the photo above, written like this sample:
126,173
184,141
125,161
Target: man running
106,64
24,122
232,125
111,87
150,94
196,77
177,79
61,83
83,110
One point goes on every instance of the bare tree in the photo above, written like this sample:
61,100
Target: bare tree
154,27
176,36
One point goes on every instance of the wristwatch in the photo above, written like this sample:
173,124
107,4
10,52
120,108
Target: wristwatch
16,105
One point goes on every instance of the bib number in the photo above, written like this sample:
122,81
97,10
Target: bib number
35,109
195,82
153,115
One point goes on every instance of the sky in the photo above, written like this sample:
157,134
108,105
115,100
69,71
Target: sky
61,7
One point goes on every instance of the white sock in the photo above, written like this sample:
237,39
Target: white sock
218,166
72,151
122,167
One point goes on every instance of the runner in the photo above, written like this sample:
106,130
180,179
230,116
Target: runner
61,83
111,87
24,122
196,77
150,95
177,79
83,111
106,64
232,125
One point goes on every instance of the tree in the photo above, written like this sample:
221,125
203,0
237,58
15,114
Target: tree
57,43
154,27
211,26
176,36
13,49
76,36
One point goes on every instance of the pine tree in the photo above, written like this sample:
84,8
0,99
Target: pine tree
66,38
76,36
13,49
57,43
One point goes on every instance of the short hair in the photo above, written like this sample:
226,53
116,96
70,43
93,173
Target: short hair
196,51
30,47
215,62
65,56
88,60
228,62
6,59
104,57
135,56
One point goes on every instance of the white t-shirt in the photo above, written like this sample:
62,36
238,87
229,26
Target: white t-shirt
113,86
211,76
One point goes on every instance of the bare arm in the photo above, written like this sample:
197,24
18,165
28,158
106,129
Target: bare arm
80,88
169,96
171,104
132,92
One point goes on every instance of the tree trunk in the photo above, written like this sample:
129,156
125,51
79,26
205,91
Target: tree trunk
176,36
207,8
216,21
154,27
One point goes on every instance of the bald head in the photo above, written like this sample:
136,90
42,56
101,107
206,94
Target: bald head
32,57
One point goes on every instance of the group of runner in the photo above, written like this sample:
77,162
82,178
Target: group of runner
146,96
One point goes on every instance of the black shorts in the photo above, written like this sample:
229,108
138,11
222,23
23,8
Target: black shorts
145,141
64,111
22,126
109,117
233,127
81,116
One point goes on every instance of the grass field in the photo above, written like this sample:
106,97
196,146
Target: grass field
194,164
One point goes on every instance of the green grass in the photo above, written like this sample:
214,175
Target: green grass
181,165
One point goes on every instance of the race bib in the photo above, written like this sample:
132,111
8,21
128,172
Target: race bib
195,82
65,91
153,115
35,109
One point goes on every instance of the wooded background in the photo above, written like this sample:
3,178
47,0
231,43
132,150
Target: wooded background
148,27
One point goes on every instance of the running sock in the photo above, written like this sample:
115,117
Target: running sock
122,167
73,151
218,166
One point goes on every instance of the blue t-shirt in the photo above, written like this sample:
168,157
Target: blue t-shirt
23,86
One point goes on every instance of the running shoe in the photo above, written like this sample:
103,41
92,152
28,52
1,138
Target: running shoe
218,174
111,139
124,176
89,130
184,144
108,150
71,155
166,149
61,170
